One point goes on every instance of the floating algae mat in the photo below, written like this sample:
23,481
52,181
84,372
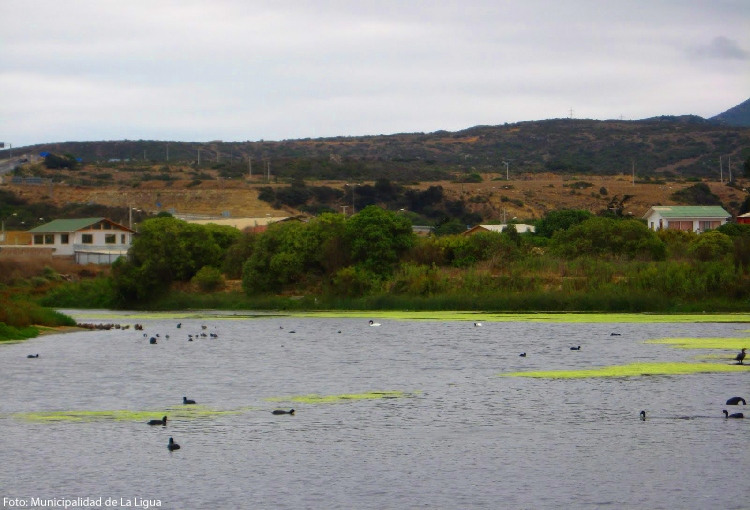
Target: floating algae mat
187,413
704,343
335,399
423,316
633,370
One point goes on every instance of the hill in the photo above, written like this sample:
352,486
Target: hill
685,146
736,116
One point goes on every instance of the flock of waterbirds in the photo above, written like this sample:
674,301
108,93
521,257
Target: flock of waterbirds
174,446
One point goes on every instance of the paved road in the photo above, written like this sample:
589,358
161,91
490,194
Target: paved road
8,165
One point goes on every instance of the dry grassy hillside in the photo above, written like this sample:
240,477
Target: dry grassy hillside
539,193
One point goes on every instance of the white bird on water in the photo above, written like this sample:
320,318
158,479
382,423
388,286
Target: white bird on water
374,324
477,324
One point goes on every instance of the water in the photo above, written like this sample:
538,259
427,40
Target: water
460,438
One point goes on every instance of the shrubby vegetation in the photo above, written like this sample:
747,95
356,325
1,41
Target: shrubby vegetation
575,261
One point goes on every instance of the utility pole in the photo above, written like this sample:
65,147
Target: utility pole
507,175
144,154
571,112
633,162
167,152
249,168
729,165
344,207
268,166
130,216
217,156
721,171
199,157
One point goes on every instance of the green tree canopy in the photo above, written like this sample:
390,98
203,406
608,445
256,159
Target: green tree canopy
606,236
377,238
560,220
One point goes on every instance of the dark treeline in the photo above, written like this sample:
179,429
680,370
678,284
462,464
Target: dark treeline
574,261
691,146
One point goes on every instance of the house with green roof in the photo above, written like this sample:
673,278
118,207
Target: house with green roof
87,240
695,218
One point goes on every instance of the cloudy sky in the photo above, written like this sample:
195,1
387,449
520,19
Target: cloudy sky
199,70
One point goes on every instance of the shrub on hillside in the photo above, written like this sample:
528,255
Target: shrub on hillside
697,194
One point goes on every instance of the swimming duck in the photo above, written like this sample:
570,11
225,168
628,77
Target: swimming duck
373,324
615,334
279,411
575,348
203,326
734,401
741,356
523,354
186,401
152,341
172,445
735,415
179,325
643,415
32,356
477,324
163,421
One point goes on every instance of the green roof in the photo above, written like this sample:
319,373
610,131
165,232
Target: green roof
66,225
691,211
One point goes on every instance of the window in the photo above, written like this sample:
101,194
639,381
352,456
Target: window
64,239
87,238
38,239
652,225
49,238
708,225
680,225
110,238
122,239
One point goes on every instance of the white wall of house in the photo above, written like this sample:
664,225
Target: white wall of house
656,221
67,243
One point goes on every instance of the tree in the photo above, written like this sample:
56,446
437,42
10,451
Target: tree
711,246
376,238
746,167
607,236
560,220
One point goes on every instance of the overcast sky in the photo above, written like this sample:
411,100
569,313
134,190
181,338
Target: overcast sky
199,70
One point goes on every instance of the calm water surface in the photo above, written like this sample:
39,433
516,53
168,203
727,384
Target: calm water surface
460,438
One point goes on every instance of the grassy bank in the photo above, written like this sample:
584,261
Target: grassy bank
19,317
95,295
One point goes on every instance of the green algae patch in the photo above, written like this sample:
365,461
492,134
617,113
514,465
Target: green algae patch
530,317
172,413
632,370
336,399
623,318
723,357
704,343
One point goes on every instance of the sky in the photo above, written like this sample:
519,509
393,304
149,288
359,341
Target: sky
236,70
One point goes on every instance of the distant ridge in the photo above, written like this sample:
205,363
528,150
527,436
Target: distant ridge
736,116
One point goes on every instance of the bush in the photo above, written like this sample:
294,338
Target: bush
208,279
711,246
603,191
606,236
352,282
697,194
38,281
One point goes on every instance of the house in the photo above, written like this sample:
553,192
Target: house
521,228
696,218
87,240
744,219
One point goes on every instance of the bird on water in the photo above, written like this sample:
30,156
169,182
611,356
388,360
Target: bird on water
152,341
643,415
163,421
523,355
32,356
279,411
735,415
373,323
735,401
172,445
187,401
741,356
575,348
